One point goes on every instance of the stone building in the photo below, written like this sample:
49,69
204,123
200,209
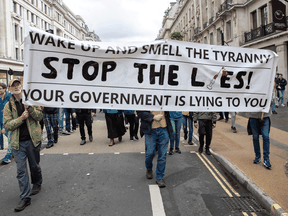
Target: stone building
49,15
238,23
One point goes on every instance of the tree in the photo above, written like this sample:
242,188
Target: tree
176,36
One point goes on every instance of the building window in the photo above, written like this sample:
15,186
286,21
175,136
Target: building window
45,9
16,32
65,23
228,30
21,33
58,16
32,2
42,6
254,19
22,54
20,10
16,54
264,16
205,40
211,38
32,17
14,7
27,15
219,36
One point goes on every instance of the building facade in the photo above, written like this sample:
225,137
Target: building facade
241,23
49,15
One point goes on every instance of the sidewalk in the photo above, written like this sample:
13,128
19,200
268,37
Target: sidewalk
238,149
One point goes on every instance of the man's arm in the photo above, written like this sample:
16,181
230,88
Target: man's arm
35,112
11,124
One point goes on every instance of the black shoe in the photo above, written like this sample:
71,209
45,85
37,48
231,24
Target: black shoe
90,138
35,189
136,137
219,119
177,150
208,151
22,205
185,136
226,120
149,174
171,151
82,142
49,145
233,129
55,140
160,183
200,150
120,138
190,142
131,138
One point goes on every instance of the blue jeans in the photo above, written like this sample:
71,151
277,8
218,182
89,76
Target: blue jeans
67,121
51,122
159,138
9,150
265,135
60,118
175,139
281,95
190,123
27,150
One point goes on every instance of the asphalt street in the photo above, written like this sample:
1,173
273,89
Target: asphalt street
113,182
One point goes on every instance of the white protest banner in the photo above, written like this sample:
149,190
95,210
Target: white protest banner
158,75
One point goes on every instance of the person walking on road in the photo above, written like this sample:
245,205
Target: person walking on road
233,120
115,125
26,136
50,118
176,119
260,124
84,116
280,85
206,122
133,122
157,128
188,117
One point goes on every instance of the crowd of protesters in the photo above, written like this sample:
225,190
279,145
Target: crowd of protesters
23,126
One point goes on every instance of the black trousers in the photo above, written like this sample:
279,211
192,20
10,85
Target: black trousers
84,118
205,128
226,115
134,124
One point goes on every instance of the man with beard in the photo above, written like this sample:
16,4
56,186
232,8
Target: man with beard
23,122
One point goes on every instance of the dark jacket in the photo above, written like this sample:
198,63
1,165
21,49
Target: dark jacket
281,83
50,110
146,122
85,111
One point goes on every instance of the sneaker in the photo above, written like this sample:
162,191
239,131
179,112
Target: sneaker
190,142
50,144
160,183
66,132
149,174
185,136
177,150
35,189
90,138
171,151
208,151
82,142
200,150
72,131
6,161
22,205
256,160
267,164
233,129
283,105
136,137
131,138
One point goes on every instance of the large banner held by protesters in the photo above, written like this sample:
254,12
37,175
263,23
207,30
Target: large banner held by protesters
159,75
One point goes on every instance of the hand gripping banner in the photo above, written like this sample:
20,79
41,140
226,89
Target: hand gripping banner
159,75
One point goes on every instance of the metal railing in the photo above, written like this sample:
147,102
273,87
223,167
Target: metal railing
205,25
259,32
197,30
224,6
211,20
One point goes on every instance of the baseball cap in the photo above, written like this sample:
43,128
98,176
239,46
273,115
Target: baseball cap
12,81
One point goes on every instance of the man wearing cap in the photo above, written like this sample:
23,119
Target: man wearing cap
23,122
280,86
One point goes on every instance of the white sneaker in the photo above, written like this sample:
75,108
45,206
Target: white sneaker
283,105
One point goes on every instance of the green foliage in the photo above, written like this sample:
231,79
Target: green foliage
176,36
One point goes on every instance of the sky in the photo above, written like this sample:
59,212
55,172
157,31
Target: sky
121,20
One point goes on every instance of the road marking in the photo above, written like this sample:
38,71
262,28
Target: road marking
215,176
244,213
156,201
192,152
253,214
221,176
142,152
116,152
65,153
41,153
91,154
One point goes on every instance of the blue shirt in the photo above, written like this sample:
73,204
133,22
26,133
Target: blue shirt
175,114
2,105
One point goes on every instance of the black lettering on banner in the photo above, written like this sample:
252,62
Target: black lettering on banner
85,49
139,101
36,37
83,97
145,49
61,42
239,78
172,76
182,101
71,62
86,67
70,45
107,67
114,97
53,71
160,74
50,40
235,101
158,101
193,79
140,71
51,95
75,98
255,102
218,101
148,100
106,97
95,98
122,97
34,97
59,95
224,79
167,97
26,94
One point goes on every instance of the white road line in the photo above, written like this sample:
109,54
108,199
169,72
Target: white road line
142,152
116,152
65,153
91,154
156,201
41,154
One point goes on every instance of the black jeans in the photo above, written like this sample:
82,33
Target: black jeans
205,128
134,124
84,118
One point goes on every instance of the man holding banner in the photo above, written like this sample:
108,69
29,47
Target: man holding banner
26,136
